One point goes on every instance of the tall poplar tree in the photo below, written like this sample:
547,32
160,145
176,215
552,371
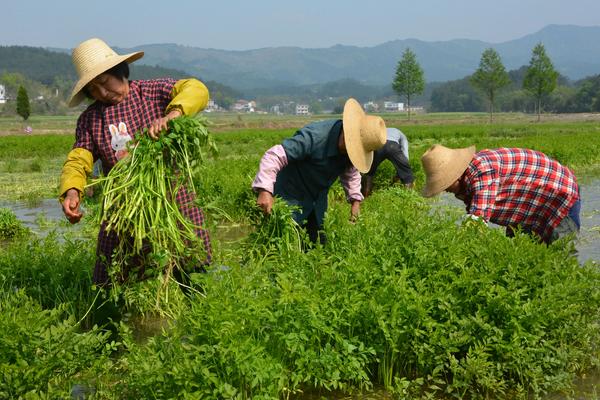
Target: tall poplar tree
541,77
409,79
23,108
490,77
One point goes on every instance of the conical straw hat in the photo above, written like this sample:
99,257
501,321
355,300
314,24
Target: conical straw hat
363,134
443,166
92,58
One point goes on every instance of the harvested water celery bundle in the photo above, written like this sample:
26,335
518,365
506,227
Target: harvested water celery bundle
139,201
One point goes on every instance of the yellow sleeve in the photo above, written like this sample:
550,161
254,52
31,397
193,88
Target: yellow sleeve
190,96
75,170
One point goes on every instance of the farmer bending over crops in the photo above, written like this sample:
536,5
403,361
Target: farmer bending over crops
302,169
516,188
395,149
119,108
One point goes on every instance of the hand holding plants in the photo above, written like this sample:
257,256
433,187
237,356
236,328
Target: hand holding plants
265,201
71,206
160,125
354,210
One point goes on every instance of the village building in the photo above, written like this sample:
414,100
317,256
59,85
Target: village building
302,109
2,94
244,106
393,106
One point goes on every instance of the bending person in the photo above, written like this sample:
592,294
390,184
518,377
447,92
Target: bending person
302,169
395,150
516,188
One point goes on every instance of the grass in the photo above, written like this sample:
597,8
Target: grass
418,305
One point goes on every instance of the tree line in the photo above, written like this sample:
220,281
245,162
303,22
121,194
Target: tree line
533,88
491,87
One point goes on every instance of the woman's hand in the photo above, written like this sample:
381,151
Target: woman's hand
160,124
71,206
354,210
265,201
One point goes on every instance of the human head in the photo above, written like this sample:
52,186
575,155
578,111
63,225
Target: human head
444,166
92,58
363,134
120,72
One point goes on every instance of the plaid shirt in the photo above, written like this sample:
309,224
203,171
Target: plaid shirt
519,187
146,102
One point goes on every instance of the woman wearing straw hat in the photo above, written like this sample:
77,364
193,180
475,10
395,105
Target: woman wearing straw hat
302,169
516,188
120,108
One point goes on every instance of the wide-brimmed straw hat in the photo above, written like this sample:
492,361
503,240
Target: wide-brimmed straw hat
92,58
443,166
363,134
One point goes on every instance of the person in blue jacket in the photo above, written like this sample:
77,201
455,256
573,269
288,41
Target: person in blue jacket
302,168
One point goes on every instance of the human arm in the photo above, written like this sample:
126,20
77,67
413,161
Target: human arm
271,163
403,144
188,97
72,181
484,188
350,180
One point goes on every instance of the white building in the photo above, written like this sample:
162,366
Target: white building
371,106
393,107
2,94
211,106
301,109
244,106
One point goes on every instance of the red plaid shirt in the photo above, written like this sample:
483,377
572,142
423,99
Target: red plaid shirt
519,187
146,102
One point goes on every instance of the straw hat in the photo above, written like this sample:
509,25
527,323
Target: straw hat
92,58
443,166
363,134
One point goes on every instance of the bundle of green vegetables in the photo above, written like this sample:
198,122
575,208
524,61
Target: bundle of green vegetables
139,200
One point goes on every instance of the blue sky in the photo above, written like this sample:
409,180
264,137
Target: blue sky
250,24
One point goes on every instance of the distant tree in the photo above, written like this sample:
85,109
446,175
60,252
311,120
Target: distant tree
409,78
541,77
315,107
456,96
587,96
490,77
23,108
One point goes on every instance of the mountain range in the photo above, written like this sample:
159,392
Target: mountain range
574,50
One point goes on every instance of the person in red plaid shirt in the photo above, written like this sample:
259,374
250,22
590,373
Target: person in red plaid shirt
119,109
512,187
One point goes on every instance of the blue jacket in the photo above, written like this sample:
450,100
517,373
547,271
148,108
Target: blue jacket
314,163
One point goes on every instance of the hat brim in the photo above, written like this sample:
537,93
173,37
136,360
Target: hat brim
77,95
452,172
352,118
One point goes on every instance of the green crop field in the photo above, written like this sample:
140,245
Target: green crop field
405,303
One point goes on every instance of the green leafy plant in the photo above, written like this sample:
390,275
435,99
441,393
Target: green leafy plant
139,199
10,226
42,355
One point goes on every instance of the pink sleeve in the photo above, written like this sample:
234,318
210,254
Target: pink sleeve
271,163
350,180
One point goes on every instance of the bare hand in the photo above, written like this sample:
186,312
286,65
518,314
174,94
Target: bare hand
159,125
354,210
265,201
71,206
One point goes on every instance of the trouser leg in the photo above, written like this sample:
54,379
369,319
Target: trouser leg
314,230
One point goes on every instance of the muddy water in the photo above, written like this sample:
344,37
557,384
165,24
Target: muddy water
588,243
40,217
